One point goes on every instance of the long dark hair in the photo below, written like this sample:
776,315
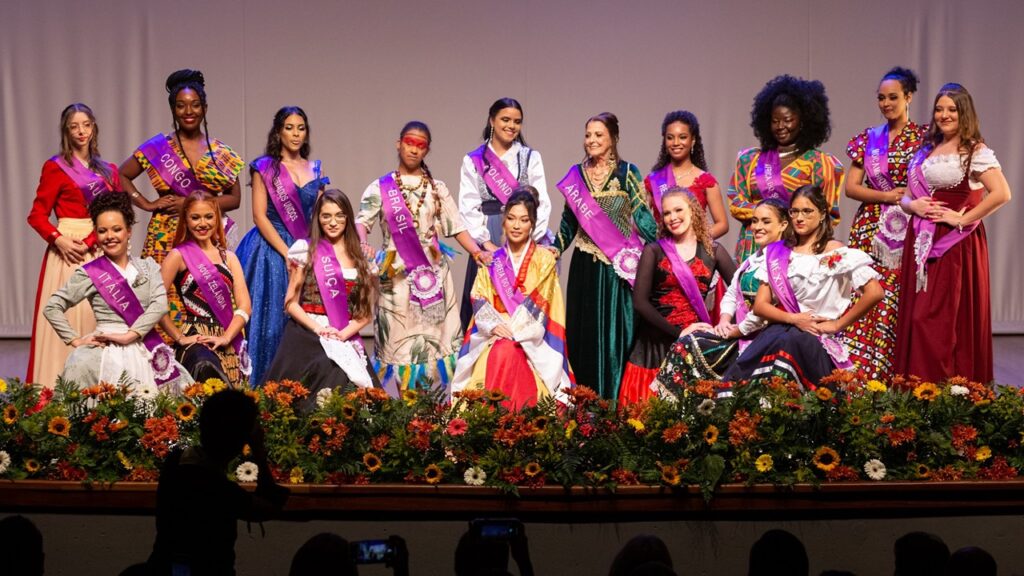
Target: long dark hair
525,196
422,127
697,154
194,81
274,146
96,164
363,307
806,97
968,126
816,196
499,105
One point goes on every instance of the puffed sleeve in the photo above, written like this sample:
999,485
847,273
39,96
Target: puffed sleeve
449,221
855,148
369,206
470,201
298,253
859,265
741,199
537,179
74,291
642,217
983,159
485,315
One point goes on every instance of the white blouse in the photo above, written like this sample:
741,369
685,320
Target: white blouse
824,283
946,170
298,254
470,196
751,322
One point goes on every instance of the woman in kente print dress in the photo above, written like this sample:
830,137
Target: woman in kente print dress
878,177
599,307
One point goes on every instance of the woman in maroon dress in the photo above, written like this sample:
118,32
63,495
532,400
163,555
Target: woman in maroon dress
945,318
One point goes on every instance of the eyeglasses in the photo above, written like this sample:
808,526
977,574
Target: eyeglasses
805,212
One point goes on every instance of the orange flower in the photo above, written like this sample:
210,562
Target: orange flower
711,434
825,458
118,425
823,394
186,411
673,433
532,469
371,461
705,388
743,427
432,474
59,426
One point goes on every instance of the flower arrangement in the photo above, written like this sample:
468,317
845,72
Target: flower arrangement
768,431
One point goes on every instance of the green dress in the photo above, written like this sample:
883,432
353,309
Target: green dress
599,304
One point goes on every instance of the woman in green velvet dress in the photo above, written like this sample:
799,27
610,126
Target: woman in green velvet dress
599,301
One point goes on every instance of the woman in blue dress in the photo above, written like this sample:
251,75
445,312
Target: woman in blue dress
285,185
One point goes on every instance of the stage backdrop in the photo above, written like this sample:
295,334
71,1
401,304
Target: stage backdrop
362,69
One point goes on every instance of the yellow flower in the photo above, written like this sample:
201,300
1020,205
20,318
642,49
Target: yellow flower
983,453
10,414
124,460
254,395
571,427
823,394
764,463
348,411
296,475
496,395
432,474
59,426
541,423
186,411
3,385
922,471
213,385
825,458
926,391
532,469
409,395
246,450
711,434
371,461
670,475
636,424
31,465
876,386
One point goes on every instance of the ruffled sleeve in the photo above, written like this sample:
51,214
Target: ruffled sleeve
298,253
855,148
983,159
861,267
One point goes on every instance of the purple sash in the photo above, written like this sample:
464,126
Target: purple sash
776,257
887,244
768,175
332,284
88,181
925,246
624,252
425,286
503,277
115,291
686,280
284,194
217,293
661,181
180,178
497,177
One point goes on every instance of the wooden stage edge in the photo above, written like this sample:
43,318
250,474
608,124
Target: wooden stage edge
557,504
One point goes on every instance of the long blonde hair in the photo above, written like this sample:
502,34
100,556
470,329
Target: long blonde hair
96,163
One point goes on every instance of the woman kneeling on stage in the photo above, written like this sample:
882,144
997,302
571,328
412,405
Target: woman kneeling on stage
805,293
128,298
516,340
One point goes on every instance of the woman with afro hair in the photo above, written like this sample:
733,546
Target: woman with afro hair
790,119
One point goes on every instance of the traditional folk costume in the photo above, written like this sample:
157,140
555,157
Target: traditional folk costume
207,297
328,295
668,296
132,298
170,173
417,329
66,189
760,175
945,312
821,284
289,209
485,185
879,230
610,222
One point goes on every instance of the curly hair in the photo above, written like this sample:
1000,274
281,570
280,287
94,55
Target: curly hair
115,201
697,154
815,196
274,146
805,97
905,76
698,223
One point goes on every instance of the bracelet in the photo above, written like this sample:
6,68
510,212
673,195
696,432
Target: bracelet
242,313
136,194
960,224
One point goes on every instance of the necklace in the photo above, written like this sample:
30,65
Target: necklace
412,201
787,153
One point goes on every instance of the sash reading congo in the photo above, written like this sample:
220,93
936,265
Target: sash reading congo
887,245
624,252
87,181
115,291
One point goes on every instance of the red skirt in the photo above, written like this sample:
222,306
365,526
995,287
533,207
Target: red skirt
636,384
509,371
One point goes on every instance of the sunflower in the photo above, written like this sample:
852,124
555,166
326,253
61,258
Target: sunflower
371,461
926,391
764,463
711,434
532,469
922,471
541,423
432,474
10,414
186,411
825,458
59,426
31,465
495,395
670,475
855,420
823,394
348,411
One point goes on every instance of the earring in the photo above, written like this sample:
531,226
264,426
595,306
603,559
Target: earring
490,132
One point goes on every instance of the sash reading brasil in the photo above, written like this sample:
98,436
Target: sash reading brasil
425,287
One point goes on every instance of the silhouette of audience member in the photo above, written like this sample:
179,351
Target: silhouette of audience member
920,554
198,507
778,553
642,549
971,561
481,552
652,569
837,573
21,547
325,554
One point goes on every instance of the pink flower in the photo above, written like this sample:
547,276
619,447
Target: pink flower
457,427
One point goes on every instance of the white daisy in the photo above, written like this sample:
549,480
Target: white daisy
247,472
146,392
958,390
475,476
322,396
874,469
5,461
706,407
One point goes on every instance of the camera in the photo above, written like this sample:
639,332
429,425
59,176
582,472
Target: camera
373,551
497,528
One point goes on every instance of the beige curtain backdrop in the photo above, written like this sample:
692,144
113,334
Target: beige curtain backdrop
362,68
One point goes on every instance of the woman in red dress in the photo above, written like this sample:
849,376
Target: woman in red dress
68,179
945,316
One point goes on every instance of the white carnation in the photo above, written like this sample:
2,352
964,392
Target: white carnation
322,396
958,390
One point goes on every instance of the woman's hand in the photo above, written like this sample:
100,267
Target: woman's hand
806,321
948,216
186,341
484,257
368,251
169,203
925,207
895,195
122,339
70,250
213,342
331,333
502,331
723,329
827,326
89,340
696,327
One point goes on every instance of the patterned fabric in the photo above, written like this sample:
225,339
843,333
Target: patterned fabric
870,338
699,189
197,318
812,167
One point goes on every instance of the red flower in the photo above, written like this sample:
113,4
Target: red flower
743,428
998,470
625,477
457,427
44,398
